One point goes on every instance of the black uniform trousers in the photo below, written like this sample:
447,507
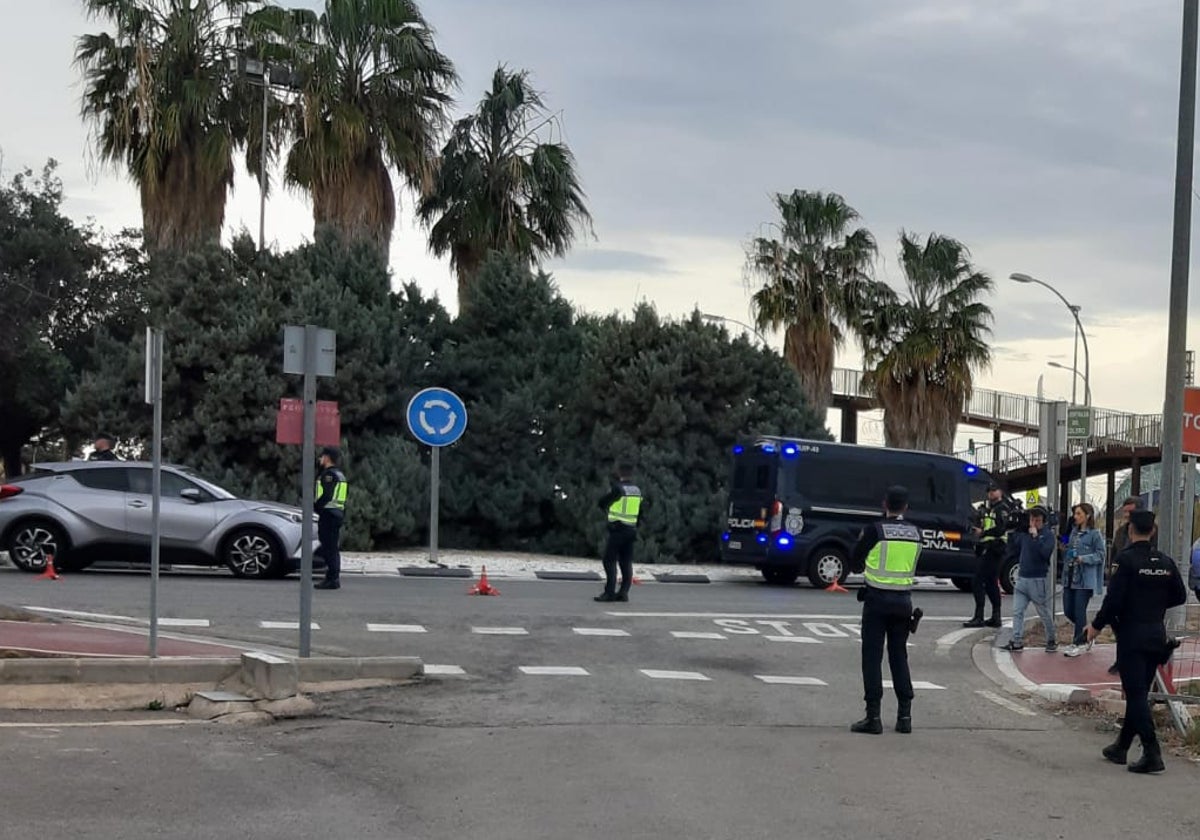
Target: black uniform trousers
885,618
1140,651
987,572
329,534
619,552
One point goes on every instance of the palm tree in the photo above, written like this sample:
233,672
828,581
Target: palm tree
501,188
923,352
374,94
157,93
813,278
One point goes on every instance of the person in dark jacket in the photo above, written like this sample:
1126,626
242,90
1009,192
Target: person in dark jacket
102,448
1035,547
623,506
330,506
1146,585
1119,541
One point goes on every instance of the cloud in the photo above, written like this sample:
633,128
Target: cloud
602,259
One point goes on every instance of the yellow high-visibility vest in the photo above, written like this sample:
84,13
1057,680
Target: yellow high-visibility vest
892,562
625,509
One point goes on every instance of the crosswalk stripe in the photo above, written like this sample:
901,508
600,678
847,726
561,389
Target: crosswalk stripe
184,622
696,634
395,628
500,631
600,631
783,680
553,671
674,675
285,625
444,671
918,685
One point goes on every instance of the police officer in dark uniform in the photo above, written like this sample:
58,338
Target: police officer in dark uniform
995,515
886,555
330,506
623,507
102,448
1146,584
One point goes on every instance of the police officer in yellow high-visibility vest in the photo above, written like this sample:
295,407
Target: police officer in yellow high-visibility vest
886,555
330,506
623,506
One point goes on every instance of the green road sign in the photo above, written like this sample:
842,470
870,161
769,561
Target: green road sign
1079,422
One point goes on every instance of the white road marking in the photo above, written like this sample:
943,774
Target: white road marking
696,634
956,636
600,631
553,671
780,616
1008,668
285,625
444,671
856,629
918,685
97,724
500,631
674,675
774,680
826,630
184,622
1006,703
806,640
395,628
90,615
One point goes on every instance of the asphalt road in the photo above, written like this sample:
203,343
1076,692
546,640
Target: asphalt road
697,711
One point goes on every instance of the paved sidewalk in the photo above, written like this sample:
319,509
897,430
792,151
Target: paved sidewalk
79,640
1059,677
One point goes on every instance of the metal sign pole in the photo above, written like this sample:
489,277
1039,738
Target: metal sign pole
1053,475
309,491
435,477
154,349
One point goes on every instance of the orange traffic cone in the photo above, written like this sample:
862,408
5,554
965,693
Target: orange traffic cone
483,587
636,581
49,571
836,587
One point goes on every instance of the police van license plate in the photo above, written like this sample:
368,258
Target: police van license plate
735,544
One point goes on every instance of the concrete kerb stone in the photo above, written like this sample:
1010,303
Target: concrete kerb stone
997,664
337,669
272,677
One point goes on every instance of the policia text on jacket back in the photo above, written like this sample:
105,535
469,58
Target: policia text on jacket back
886,554
796,507
1146,584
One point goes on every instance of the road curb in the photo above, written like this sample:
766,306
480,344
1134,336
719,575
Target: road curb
436,571
560,574
997,664
680,577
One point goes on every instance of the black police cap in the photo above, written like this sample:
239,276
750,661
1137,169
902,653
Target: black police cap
1142,520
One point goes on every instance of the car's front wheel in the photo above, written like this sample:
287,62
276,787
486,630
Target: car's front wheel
1008,577
252,553
32,542
826,566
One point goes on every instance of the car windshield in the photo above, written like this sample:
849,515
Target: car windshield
216,490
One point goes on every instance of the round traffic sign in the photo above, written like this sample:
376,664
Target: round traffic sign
437,416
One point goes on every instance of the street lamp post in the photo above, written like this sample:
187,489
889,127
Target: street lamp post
715,318
1086,389
1087,375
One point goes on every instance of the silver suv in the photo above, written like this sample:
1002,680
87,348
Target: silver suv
80,511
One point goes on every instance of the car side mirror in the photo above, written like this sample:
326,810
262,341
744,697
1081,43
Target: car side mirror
192,494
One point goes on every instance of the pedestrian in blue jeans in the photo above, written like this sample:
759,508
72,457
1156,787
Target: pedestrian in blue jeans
1083,573
1035,546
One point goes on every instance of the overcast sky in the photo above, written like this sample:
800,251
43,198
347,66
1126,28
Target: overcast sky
1039,132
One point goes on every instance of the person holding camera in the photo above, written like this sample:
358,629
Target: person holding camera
1082,574
995,521
1034,546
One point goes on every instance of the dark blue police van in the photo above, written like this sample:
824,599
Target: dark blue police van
796,507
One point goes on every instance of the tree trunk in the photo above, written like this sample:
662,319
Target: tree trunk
467,264
361,207
919,415
184,207
810,353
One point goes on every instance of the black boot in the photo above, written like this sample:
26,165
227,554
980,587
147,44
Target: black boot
871,724
904,719
606,596
1116,752
1150,762
994,621
977,621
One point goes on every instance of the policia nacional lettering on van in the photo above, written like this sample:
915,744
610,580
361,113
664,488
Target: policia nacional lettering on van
796,507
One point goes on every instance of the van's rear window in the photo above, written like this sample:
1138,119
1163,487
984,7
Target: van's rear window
752,477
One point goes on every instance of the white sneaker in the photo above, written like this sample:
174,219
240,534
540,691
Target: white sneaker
1072,650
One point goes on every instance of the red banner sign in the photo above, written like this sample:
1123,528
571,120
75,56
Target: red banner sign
289,423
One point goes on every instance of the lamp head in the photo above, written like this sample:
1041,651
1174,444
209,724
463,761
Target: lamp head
1021,278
